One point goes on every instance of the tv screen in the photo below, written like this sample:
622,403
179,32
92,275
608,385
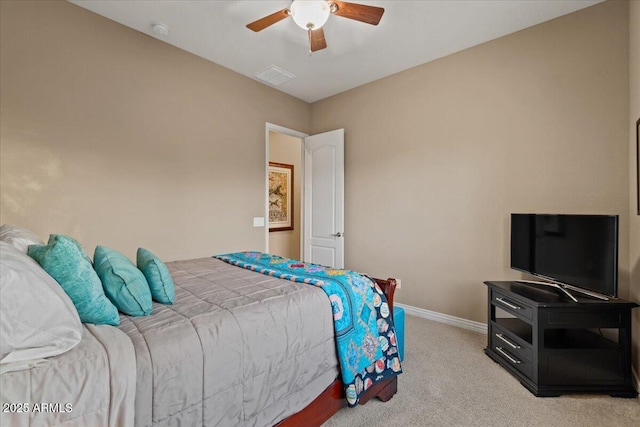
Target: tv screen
577,250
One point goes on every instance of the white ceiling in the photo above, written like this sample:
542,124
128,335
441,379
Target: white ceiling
409,34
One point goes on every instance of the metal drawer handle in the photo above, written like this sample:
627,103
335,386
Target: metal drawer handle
508,304
509,343
505,354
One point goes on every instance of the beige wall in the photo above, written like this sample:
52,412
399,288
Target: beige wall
438,156
288,149
634,226
119,139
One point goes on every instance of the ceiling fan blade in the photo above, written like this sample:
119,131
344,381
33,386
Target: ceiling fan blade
316,40
359,12
263,23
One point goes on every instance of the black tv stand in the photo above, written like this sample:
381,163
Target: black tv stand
555,346
551,285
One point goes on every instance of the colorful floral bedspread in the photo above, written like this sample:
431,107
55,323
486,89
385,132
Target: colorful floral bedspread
365,336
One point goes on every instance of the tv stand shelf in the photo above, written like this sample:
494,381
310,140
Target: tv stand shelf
556,346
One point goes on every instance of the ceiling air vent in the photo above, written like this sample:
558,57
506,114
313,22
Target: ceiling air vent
274,76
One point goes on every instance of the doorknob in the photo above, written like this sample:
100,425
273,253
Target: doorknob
338,234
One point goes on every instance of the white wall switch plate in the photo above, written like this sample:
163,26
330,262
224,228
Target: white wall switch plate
398,284
258,221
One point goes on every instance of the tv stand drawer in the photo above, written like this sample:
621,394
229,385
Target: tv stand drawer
511,305
508,358
515,345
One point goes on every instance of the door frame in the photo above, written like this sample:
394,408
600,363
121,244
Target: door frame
270,127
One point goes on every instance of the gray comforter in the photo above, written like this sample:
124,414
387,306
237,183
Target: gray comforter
236,349
93,384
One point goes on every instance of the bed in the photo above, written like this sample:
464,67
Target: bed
238,348
255,353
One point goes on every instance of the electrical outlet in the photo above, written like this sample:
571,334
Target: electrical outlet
398,284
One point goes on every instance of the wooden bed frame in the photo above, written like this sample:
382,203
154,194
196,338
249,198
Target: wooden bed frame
333,398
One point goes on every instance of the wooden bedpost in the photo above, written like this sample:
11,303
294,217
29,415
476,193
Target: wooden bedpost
389,288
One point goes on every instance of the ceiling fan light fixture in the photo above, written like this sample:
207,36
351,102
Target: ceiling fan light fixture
310,14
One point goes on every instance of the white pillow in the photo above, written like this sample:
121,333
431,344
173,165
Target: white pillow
19,237
37,318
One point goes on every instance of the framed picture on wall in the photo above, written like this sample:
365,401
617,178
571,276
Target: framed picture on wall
280,197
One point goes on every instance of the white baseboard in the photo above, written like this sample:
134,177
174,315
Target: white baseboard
444,318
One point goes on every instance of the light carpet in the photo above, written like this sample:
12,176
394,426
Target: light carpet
449,381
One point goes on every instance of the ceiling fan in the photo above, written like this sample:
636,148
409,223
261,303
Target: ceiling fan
311,15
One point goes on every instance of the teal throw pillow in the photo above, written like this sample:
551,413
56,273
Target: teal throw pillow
123,283
157,274
65,260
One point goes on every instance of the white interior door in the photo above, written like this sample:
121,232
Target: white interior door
324,199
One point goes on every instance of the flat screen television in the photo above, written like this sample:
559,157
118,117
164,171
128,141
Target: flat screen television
579,252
